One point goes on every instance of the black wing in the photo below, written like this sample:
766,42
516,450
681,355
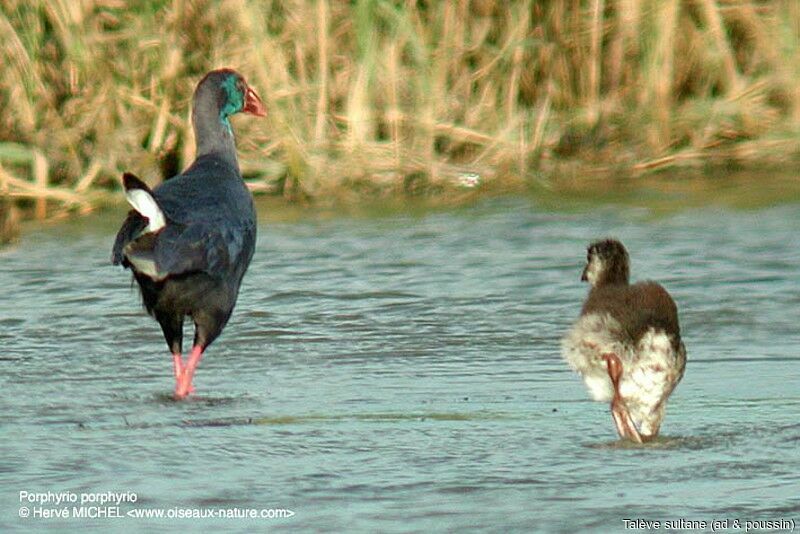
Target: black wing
204,247
131,228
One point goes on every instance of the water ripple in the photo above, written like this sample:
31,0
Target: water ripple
406,370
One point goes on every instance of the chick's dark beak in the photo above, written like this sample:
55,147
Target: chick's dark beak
253,104
585,278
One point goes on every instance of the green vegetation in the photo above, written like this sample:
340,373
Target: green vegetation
380,97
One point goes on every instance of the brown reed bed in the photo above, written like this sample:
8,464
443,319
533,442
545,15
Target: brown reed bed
379,97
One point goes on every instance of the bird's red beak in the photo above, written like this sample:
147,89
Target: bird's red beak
253,104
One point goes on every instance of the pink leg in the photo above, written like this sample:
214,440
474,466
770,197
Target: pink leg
184,383
619,411
178,367
177,364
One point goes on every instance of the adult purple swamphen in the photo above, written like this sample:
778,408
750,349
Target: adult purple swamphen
190,240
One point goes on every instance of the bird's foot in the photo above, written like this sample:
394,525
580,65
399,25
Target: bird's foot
619,410
182,390
183,383
622,420
179,369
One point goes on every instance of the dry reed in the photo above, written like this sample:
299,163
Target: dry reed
381,97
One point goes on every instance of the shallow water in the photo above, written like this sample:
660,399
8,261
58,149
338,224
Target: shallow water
401,372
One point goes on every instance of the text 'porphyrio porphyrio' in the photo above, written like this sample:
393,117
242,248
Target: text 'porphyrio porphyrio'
190,240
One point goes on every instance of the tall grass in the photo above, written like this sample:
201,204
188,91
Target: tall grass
381,97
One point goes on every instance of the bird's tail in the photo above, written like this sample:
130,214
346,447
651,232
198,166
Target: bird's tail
141,198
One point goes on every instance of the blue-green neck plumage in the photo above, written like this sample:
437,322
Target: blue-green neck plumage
215,101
